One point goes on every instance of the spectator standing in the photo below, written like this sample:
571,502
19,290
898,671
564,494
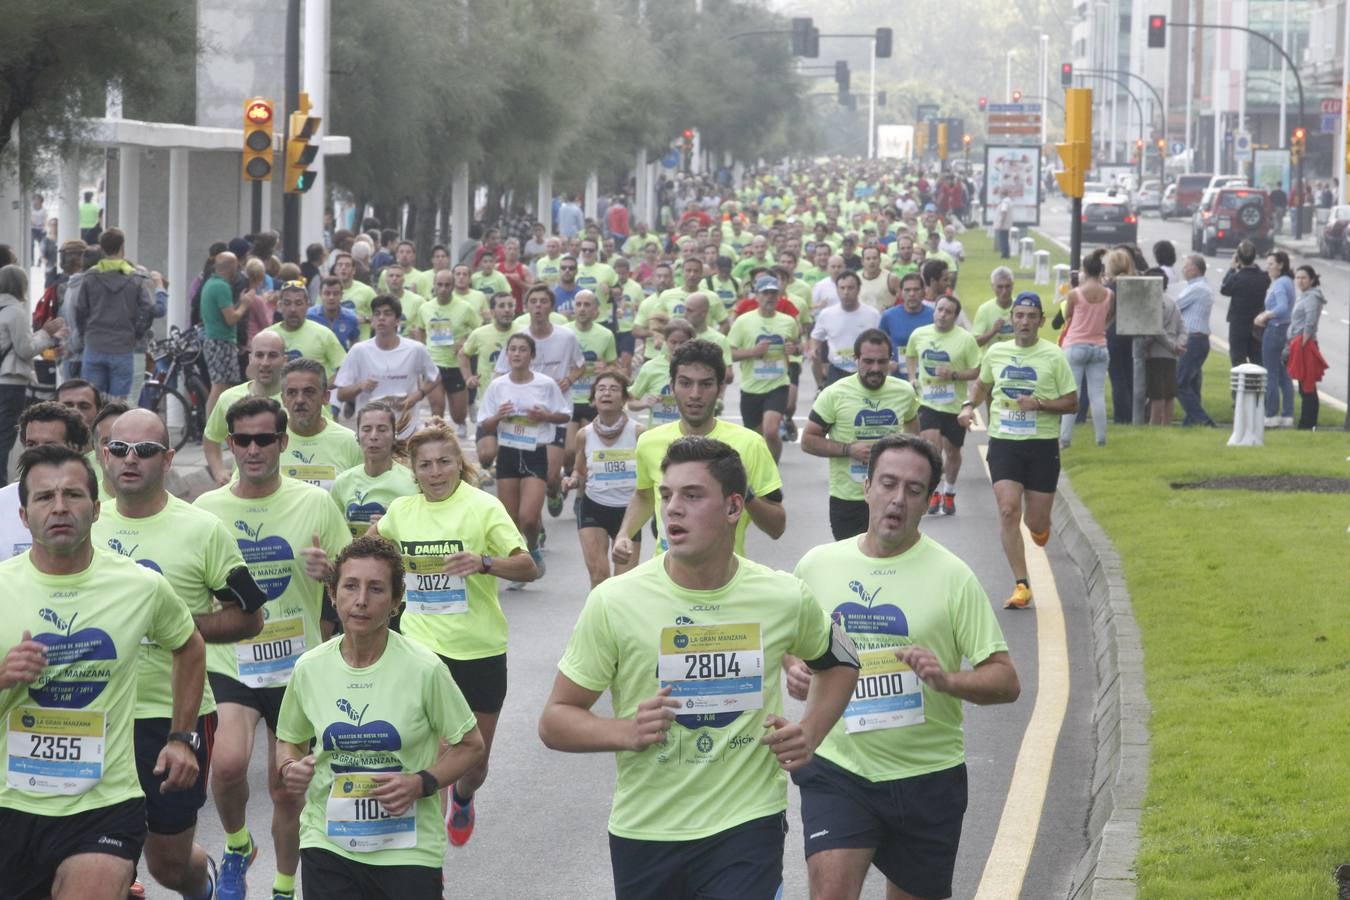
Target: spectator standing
1088,311
113,302
1274,320
1245,286
1120,350
19,346
1003,225
220,318
1194,303
1304,359
1161,352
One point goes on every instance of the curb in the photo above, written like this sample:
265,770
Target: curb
1120,714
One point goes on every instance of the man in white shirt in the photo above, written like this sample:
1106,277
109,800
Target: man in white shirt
46,422
387,365
825,293
837,328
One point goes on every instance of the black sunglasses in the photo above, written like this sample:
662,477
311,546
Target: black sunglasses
266,439
142,449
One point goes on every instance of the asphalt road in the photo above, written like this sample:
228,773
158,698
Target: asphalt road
542,815
1334,330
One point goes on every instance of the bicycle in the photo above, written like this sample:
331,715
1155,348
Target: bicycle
177,390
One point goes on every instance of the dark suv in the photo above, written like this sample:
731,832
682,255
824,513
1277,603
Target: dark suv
1233,215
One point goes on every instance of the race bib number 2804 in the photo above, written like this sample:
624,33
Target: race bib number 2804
713,668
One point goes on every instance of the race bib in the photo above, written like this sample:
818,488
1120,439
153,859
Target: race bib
519,433
1014,422
319,476
440,333
713,668
581,389
268,659
614,466
430,591
888,694
844,361
769,366
55,751
938,392
857,470
358,823
665,411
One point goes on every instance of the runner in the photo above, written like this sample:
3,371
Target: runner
287,531
45,422
837,328
317,449
763,342
941,359
900,320
1023,378
605,474
478,354
993,323
651,389
700,800
444,322
887,787
331,314
599,355
267,357
72,810
456,541
303,336
524,409
388,366
697,375
192,549
364,492
849,417
371,826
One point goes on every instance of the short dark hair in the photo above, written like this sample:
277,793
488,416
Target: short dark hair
724,463
386,300
950,298
52,455
529,341
371,546
77,433
699,353
314,253
1164,253
1246,252
872,336
305,364
932,270
330,281
111,241
75,384
912,276
254,406
848,273
108,410
902,441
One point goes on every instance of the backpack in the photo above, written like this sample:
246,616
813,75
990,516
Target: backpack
45,309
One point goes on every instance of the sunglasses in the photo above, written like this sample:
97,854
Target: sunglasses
266,439
142,449
295,283
567,268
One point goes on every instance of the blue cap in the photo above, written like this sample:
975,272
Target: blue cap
766,283
1027,298
930,207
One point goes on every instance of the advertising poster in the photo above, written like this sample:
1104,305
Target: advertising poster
1014,172
1271,167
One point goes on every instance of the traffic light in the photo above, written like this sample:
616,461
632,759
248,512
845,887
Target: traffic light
983,103
1157,31
942,140
883,43
841,75
801,35
301,148
812,49
1299,144
257,139
1162,146
1017,96
965,144
1076,151
920,140
1066,74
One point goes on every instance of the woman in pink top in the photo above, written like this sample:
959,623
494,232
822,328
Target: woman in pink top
1087,311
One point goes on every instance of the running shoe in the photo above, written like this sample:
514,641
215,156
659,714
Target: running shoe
232,885
555,504
1020,599
459,824
543,537
935,504
282,895
538,557
790,431
949,504
1041,537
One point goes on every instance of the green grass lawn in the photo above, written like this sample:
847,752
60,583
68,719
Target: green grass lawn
1240,599
981,260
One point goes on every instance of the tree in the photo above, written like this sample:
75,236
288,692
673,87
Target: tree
60,55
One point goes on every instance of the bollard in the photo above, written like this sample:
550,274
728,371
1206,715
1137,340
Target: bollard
1014,234
1249,393
1028,248
1061,281
1042,266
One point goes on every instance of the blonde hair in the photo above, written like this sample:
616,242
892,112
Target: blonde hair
434,431
398,421
1119,262
254,270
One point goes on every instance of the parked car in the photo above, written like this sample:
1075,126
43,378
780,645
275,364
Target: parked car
1094,187
1167,206
1149,196
1231,215
1333,241
1109,220
1189,190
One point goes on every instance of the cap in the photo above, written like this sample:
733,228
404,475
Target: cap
930,207
766,283
724,262
1027,298
239,246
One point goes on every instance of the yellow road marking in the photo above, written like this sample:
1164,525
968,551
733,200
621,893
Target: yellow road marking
1006,867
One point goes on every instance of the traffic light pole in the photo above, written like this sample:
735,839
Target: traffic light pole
1075,233
255,215
290,202
872,105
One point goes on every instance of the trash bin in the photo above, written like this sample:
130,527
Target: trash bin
1042,266
1249,395
1306,212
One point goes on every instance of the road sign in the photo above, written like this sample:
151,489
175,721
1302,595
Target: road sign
671,159
1331,107
1014,123
925,111
1178,147
1242,146
1331,123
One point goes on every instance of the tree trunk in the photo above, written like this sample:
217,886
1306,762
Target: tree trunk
422,226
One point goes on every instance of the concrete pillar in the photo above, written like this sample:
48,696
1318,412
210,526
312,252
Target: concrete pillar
592,195
68,229
314,78
653,211
544,201
177,257
461,209
271,224
129,197
641,210
14,205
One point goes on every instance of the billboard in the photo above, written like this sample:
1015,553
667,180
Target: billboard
895,141
1014,172
1271,167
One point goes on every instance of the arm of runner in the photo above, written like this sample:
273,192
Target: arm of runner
829,693
295,767
568,724
978,395
768,514
215,463
177,761
992,681
397,792
23,663
640,508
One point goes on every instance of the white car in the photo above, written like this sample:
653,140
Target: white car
1149,195
1167,206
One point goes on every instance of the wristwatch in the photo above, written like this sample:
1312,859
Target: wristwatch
486,562
429,784
191,738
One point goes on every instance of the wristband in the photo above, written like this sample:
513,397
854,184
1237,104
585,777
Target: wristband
281,771
429,783
967,403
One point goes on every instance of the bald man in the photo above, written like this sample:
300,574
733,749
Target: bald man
267,357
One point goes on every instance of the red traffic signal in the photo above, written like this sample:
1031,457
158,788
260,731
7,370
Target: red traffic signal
1300,134
1066,74
1157,31
1017,96
688,134
983,104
